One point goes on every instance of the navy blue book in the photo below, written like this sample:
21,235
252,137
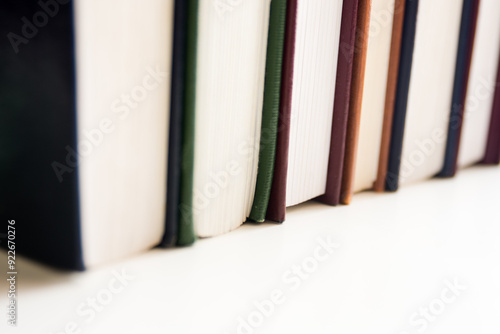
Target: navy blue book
403,85
464,58
84,128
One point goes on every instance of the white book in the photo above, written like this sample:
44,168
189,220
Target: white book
232,45
431,87
374,89
314,72
482,84
123,57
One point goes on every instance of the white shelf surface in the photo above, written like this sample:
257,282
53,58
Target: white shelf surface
395,255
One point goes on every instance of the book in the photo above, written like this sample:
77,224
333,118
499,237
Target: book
86,181
178,218
390,94
462,70
185,233
421,113
270,110
492,155
343,79
230,72
482,85
276,206
374,92
310,102
355,102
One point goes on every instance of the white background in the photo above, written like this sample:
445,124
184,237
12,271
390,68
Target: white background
395,254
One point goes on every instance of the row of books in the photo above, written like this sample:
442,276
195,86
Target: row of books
126,125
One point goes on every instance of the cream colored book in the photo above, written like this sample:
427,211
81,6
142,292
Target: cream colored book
231,59
431,87
482,84
373,102
123,57
317,38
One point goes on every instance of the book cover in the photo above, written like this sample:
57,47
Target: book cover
270,110
462,70
177,107
354,117
277,200
186,235
38,122
492,155
401,101
390,96
341,104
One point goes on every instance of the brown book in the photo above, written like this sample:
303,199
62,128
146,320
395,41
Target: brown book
341,104
492,155
307,104
358,75
277,200
390,96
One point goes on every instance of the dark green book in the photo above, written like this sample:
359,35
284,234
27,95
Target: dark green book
270,112
186,234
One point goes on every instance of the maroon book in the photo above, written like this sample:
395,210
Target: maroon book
341,105
493,145
277,202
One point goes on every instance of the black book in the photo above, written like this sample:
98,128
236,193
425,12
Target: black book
83,128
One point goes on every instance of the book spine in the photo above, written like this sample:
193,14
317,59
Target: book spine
277,200
492,155
357,86
177,99
341,102
464,59
270,110
401,102
390,96
186,234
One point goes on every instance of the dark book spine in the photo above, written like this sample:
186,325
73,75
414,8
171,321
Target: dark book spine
277,200
398,123
177,99
341,104
270,110
38,139
186,235
390,95
464,58
492,155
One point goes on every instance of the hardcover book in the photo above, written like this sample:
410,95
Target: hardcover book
482,86
390,94
493,145
424,95
374,93
86,180
308,100
355,101
462,71
179,217
347,47
270,110
230,72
